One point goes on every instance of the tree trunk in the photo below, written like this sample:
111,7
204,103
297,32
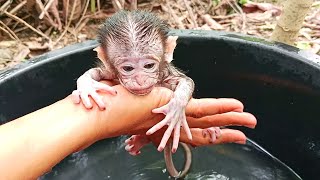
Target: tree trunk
291,21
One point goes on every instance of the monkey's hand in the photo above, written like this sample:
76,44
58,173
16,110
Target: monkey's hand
86,86
175,118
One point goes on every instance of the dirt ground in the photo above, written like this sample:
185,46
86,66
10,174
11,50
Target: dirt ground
24,35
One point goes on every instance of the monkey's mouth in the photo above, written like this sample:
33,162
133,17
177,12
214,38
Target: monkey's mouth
142,92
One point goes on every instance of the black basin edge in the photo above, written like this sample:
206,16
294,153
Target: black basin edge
291,51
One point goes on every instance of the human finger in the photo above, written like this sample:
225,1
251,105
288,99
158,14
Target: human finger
227,136
224,119
211,106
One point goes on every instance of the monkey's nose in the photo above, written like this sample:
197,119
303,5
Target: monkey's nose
140,80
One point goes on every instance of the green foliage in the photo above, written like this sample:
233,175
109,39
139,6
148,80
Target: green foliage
242,2
303,45
215,2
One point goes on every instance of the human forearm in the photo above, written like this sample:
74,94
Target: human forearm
34,143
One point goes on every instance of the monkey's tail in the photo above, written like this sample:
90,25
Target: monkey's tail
169,163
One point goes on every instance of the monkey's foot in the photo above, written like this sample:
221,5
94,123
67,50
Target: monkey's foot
89,87
135,143
213,132
175,118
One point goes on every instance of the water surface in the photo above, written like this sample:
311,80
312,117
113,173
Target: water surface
108,159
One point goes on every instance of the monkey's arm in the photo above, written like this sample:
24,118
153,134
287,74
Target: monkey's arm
183,87
88,84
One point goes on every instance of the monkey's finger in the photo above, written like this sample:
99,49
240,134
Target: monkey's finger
129,140
132,150
218,132
85,100
176,137
186,127
212,134
135,153
100,86
159,125
75,97
166,135
161,110
98,100
128,147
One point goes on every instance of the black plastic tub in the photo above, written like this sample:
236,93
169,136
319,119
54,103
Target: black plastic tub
279,84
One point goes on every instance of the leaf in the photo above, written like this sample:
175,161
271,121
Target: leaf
242,2
303,45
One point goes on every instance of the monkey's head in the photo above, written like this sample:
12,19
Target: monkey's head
134,45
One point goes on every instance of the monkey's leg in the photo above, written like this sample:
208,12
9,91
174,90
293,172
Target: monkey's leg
135,143
169,163
88,85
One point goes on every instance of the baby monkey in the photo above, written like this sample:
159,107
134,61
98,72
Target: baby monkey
136,50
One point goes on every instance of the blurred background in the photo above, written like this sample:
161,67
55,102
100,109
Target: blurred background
29,28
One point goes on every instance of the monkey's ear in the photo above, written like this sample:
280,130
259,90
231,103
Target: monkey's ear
101,54
170,45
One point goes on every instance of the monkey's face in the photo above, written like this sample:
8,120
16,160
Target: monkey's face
138,75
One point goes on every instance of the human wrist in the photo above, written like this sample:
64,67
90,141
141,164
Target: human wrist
80,124
126,113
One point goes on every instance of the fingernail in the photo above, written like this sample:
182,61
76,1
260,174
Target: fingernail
174,150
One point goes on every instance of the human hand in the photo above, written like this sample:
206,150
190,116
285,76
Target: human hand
130,114
201,114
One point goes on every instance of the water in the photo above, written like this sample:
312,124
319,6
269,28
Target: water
108,160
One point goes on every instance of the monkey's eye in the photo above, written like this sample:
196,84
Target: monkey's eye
149,66
127,68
